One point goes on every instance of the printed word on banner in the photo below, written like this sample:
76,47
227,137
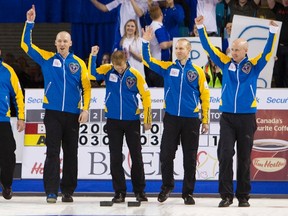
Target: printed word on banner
270,150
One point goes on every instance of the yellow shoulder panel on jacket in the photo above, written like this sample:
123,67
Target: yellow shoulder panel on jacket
103,69
45,54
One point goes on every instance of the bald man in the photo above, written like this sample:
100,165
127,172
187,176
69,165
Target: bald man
238,106
65,80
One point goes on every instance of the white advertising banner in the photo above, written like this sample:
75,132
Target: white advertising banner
93,141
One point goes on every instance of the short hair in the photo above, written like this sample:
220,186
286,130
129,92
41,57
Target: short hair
118,57
155,12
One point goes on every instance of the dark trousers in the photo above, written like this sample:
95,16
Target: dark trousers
280,72
7,154
61,128
116,129
239,128
176,129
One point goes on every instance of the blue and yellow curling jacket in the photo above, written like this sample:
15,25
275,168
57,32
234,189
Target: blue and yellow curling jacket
10,88
183,86
64,79
121,100
239,81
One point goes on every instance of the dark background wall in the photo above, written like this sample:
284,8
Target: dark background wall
88,26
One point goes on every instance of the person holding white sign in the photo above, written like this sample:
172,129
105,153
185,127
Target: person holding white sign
67,93
238,106
10,88
123,86
185,88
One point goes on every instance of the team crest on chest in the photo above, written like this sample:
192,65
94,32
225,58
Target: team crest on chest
247,67
74,67
192,75
130,82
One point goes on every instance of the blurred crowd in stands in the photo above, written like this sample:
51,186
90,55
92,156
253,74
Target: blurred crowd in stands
175,19
30,76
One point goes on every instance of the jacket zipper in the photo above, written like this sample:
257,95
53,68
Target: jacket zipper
64,87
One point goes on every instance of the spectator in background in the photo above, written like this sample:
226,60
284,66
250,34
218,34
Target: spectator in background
131,43
192,5
226,38
213,73
173,17
280,72
243,7
10,89
23,64
106,58
129,9
170,20
207,8
187,13
194,33
146,20
160,45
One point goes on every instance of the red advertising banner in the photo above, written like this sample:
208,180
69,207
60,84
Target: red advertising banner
270,149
